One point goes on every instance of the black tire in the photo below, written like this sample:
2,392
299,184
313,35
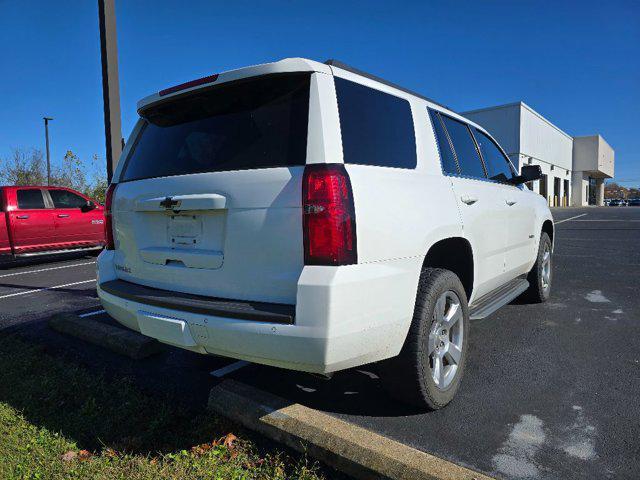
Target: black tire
538,292
408,376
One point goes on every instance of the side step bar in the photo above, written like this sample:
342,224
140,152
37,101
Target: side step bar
57,252
492,301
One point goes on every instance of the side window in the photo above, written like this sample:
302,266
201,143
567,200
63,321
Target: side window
465,148
447,157
30,199
497,164
377,128
66,199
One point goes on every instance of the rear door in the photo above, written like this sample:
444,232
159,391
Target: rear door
521,216
75,225
480,202
32,224
209,199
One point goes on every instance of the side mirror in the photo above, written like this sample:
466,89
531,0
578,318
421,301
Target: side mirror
528,173
87,207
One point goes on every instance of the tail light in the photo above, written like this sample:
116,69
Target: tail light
329,220
108,221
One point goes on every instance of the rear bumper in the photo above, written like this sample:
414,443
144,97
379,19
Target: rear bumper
344,317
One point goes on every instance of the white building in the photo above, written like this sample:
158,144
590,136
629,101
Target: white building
566,162
592,163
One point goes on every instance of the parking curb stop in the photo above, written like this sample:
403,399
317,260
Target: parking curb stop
347,447
124,342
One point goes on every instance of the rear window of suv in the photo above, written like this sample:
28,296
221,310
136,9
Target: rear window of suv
377,128
260,122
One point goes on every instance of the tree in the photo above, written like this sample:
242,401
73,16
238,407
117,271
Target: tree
70,174
27,167
613,190
24,167
98,183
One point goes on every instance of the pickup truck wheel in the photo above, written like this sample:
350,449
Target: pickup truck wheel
428,370
541,274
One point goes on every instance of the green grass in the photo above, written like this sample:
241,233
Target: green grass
49,406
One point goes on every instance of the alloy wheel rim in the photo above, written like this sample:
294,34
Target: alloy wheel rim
546,268
446,339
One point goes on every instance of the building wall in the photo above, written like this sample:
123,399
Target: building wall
543,141
585,153
580,185
606,156
592,157
502,122
552,172
592,153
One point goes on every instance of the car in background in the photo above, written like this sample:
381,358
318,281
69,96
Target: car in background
37,220
615,202
634,202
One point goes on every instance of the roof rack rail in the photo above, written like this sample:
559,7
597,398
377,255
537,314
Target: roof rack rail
337,63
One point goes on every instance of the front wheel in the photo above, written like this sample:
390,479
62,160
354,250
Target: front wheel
541,274
428,370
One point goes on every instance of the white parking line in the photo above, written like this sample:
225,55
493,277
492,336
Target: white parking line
45,289
46,269
90,314
221,372
572,218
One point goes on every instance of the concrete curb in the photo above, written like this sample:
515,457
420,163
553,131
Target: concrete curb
124,342
347,447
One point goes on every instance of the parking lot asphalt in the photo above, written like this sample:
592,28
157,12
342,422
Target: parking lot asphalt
551,391
28,289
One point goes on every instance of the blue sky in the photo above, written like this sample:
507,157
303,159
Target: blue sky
577,63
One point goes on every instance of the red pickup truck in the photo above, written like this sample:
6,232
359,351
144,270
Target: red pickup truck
48,220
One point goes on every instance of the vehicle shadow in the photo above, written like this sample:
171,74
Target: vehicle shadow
46,378
356,391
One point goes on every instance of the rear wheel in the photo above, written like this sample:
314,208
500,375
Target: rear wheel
541,274
428,370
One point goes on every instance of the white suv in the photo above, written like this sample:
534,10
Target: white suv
312,217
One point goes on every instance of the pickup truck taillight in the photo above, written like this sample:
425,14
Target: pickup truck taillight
329,221
108,223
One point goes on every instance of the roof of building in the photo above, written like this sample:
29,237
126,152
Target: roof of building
520,104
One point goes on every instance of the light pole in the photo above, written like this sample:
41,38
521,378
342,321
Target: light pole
110,83
46,134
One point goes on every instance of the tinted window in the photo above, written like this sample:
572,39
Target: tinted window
65,199
377,128
256,123
446,154
30,199
465,148
497,164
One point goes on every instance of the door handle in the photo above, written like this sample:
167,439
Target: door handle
468,199
63,215
511,202
22,217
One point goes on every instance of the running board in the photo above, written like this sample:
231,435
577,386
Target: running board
492,301
57,252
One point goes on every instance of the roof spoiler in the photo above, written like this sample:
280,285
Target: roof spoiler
337,63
